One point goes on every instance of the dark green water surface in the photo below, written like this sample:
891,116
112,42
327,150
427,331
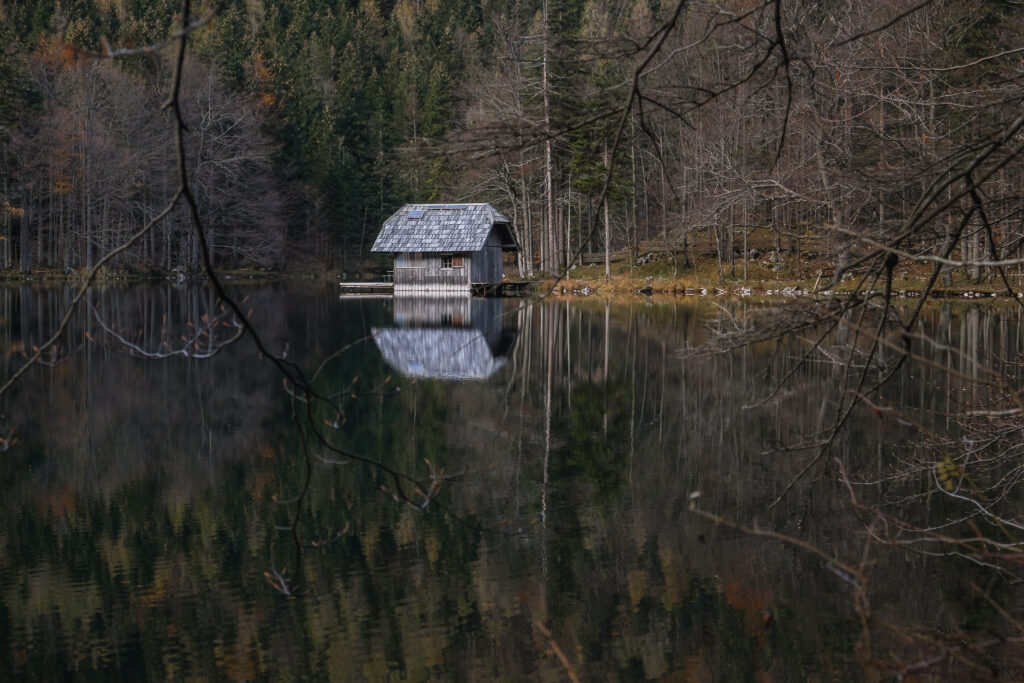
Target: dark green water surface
164,518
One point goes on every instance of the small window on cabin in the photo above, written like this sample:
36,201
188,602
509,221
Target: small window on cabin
447,260
457,261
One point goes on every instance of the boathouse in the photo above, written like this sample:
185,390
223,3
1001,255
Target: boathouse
446,248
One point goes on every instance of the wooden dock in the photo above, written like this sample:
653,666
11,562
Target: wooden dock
367,287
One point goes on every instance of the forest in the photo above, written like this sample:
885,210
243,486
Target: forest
871,132
152,137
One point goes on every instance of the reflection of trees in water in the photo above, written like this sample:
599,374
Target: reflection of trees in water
139,482
932,566
149,544
104,418
697,425
624,561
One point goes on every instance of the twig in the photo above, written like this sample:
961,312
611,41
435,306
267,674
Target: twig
566,664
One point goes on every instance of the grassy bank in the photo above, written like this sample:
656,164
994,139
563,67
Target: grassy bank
765,273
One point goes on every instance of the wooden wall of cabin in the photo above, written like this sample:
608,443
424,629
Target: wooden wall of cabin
425,270
486,263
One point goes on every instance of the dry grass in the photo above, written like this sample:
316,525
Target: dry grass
802,269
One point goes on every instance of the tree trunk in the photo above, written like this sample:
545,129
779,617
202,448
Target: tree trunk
607,227
550,258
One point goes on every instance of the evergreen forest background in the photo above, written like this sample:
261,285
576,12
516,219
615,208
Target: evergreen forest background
311,122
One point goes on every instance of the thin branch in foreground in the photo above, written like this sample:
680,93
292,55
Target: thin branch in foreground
566,664
202,344
84,288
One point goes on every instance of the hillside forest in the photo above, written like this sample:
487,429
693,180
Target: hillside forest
882,131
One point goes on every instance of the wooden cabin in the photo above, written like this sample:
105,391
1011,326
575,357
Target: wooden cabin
446,248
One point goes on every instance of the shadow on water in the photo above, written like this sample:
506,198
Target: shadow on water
147,502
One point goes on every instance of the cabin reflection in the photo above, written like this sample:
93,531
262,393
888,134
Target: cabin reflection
447,337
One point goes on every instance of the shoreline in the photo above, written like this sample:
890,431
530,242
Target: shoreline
622,284
665,272
628,287
134,277
805,278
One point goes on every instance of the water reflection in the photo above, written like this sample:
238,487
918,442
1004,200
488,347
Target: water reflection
453,338
146,503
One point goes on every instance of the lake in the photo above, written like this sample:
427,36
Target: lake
482,490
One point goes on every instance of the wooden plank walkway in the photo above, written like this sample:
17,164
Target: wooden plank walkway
366,287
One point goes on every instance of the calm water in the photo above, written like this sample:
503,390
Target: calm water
166,518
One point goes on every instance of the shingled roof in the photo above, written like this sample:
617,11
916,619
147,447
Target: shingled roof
441,228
